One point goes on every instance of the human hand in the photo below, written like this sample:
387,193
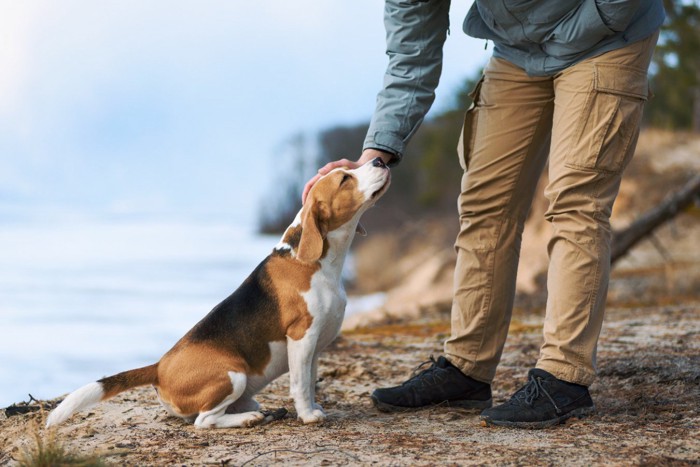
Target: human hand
367,155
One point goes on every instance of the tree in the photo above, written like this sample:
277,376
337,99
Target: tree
291,172
675,70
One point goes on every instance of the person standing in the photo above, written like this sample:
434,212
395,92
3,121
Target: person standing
567,83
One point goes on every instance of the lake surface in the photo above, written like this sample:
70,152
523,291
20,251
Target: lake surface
86,299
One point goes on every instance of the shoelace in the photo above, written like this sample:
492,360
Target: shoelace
417,373
531,392
417,369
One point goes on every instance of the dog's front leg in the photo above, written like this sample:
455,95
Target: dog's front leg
314,380
301,380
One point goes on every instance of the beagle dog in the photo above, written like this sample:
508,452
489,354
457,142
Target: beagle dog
288,310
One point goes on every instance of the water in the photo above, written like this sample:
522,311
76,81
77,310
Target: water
87,299
83,300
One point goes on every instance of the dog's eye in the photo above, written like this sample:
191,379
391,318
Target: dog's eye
346,177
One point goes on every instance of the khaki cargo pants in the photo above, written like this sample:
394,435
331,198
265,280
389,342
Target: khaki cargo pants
586,120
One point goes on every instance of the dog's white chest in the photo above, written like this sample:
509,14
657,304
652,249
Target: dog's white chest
326,302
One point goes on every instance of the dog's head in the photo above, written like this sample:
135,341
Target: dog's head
336,202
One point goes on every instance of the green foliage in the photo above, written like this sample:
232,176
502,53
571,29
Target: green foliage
675,70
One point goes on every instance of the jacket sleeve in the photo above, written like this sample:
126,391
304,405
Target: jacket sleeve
415,34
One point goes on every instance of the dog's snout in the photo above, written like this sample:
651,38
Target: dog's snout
378,162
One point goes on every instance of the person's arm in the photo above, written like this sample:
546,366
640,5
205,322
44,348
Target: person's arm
415,33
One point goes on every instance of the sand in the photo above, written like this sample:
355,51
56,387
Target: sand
647,398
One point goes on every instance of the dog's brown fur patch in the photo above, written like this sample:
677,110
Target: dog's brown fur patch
113,385
195,377
292,236
291,279
332,202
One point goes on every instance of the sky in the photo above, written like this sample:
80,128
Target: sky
128,108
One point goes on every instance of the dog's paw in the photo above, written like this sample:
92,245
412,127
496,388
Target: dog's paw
252,419
313,416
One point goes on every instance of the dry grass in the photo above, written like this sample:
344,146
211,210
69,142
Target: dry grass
418,329
47,449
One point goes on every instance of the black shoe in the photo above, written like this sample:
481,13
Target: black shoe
544,401
440,383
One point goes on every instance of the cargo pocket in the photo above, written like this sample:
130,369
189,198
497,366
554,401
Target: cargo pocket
466,136
610,119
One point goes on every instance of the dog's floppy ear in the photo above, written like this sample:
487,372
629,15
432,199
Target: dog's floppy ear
313,231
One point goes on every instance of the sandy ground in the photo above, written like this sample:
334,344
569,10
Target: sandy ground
647,399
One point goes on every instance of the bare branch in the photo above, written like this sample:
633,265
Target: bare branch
648,222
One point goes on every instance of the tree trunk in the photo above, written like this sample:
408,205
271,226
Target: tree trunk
652,219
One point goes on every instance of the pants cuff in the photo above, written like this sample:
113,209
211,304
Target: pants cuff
470,369
567,373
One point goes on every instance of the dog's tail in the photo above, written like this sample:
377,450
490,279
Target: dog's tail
101,390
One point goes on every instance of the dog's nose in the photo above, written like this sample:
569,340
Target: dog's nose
378,162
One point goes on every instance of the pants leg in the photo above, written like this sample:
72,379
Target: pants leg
597,112
503,151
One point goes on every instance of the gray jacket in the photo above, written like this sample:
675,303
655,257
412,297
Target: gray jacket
542,37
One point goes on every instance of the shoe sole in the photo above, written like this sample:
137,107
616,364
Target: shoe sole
576,413
462,404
